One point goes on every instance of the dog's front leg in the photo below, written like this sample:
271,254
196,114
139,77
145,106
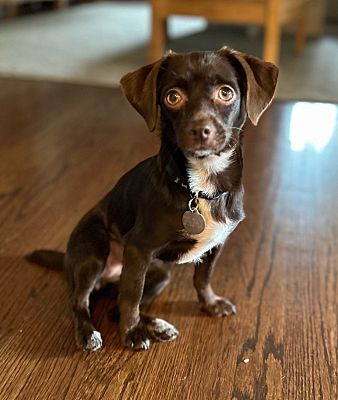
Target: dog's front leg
137,330
210,302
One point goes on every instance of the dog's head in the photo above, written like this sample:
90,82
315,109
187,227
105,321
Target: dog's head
202,99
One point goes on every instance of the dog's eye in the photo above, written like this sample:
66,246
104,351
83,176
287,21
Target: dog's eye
226,93
173,98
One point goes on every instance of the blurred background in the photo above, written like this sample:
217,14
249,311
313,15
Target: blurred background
97,42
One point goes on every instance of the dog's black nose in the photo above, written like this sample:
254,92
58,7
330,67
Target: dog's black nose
203,132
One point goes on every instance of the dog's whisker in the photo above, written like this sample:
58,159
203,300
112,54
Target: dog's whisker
236,128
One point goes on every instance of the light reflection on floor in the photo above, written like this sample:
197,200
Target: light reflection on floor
312,124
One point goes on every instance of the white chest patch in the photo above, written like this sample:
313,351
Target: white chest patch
214,234
199,171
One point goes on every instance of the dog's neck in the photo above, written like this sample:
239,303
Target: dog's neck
211,175
173,163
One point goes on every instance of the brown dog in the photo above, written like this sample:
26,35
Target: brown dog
176,207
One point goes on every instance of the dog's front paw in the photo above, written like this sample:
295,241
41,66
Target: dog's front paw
148,329
160,330
137,338
219,307
89,342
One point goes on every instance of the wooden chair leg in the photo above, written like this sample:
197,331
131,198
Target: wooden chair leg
158,36
60,4
11,10
300,32
272,34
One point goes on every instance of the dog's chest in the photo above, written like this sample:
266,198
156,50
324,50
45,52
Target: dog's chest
214,234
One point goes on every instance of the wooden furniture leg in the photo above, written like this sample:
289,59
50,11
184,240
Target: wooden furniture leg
300,32
272,33
11,10
158,36
59,4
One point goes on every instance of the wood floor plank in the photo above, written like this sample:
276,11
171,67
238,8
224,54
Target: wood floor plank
62,147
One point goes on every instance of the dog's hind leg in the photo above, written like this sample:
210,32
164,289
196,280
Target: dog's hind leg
86,336
87,252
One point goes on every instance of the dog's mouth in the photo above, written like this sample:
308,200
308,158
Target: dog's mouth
203,151
200,153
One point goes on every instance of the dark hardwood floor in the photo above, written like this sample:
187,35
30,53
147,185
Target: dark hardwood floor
62,147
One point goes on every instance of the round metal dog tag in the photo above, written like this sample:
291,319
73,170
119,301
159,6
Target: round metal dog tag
193,222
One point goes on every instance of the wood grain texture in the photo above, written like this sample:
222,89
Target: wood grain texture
62,148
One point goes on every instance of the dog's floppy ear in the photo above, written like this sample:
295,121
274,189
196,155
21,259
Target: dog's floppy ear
140,88
261,80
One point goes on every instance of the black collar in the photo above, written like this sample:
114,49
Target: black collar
196,195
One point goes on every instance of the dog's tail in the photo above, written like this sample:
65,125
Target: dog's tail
47,258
